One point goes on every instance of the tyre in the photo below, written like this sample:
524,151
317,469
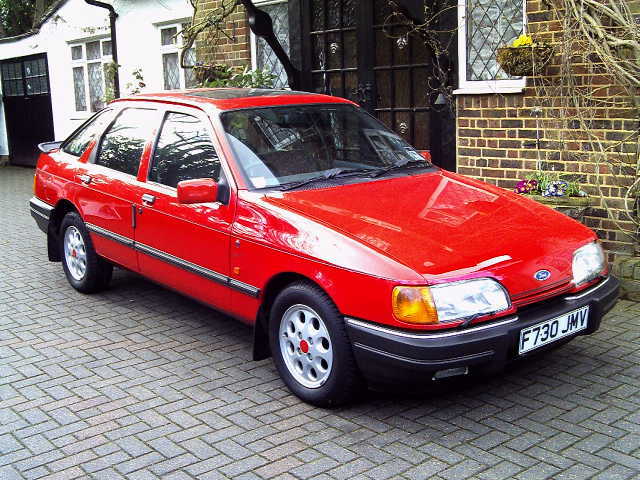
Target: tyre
310,347
85,270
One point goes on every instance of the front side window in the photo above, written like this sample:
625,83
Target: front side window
79,141
484,26
280,145
122,144
175,77
183,152
92,82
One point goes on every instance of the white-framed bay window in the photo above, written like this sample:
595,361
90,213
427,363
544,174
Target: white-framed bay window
483,27
91,82
175,77
262,56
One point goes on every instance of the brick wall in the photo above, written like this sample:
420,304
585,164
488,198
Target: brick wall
497,137
218,49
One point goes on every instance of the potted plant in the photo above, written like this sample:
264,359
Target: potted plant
564,195
524,56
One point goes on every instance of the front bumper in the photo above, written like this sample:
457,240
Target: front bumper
386,355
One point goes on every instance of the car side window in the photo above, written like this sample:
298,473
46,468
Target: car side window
80,140
123,143
183,152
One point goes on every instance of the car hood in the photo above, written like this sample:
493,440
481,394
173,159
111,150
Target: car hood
446,226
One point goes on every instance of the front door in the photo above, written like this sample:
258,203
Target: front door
27,106
360,51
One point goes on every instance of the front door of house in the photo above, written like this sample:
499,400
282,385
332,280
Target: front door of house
27,106
361,51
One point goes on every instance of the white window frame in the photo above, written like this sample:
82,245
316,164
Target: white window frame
84,63
173,48
482,86
252,36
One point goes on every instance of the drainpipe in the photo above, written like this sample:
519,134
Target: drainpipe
114,45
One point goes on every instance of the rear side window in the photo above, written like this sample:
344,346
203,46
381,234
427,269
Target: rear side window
123,143
80,140
184,151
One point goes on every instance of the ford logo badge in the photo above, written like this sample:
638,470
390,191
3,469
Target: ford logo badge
542,275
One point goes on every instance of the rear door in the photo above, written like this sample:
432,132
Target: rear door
109,185
185,246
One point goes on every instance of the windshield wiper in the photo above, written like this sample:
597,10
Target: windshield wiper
398,165
328,174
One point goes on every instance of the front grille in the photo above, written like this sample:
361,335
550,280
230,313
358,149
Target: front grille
542,293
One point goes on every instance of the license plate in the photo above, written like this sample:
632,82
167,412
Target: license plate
554,329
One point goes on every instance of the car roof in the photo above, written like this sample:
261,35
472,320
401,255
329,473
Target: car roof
234,98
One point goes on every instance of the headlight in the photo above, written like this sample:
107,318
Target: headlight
588,262
448,302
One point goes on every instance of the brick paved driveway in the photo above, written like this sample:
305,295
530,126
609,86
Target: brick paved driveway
139,382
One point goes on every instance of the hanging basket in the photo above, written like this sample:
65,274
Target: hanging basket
524,61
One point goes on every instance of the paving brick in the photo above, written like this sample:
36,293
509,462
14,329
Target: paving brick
138,382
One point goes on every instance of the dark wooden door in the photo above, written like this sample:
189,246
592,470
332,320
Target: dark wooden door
27,106
358,50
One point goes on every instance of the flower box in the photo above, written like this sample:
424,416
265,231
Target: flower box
525,60
574,207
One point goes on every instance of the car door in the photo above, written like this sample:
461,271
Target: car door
110,188
185,246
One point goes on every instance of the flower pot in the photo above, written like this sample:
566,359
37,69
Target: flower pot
574,207
524,61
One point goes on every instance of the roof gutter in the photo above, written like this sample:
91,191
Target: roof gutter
114,44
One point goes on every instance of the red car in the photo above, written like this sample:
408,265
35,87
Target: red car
355,259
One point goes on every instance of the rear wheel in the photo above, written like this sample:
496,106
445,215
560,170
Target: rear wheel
85,270
310,347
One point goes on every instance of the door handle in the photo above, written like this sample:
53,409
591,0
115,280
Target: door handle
86,179
148,199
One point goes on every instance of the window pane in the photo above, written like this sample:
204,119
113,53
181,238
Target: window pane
123,143
79,141
93,50
106,48
76,52
96,86
184,152
171,71
189,75
78,88
168,36
490,24
265,58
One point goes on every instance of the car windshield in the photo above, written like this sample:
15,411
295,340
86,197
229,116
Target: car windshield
294,145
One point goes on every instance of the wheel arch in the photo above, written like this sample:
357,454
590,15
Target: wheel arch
275,285
53,234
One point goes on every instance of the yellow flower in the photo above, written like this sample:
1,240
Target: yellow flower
522,41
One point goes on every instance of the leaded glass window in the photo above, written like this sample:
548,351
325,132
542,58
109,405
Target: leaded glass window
12,79
96,86
76,52
78,88
35,75
171,71
106,48
168,36
190,80
93,50
490,24
265,58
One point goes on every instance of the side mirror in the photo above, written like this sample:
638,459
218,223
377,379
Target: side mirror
199,190
48,147
426,154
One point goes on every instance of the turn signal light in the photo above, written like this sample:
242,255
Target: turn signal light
414,305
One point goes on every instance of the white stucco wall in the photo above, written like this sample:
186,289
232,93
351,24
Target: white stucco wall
138,34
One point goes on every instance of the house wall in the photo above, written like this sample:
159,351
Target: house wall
232,49
497,136
138,47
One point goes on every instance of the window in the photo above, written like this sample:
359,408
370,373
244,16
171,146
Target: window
262,55
78,142
184,151
124,141
483,27
175,77
91,83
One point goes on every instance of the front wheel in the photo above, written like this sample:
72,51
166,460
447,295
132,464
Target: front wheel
310,347
85,270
